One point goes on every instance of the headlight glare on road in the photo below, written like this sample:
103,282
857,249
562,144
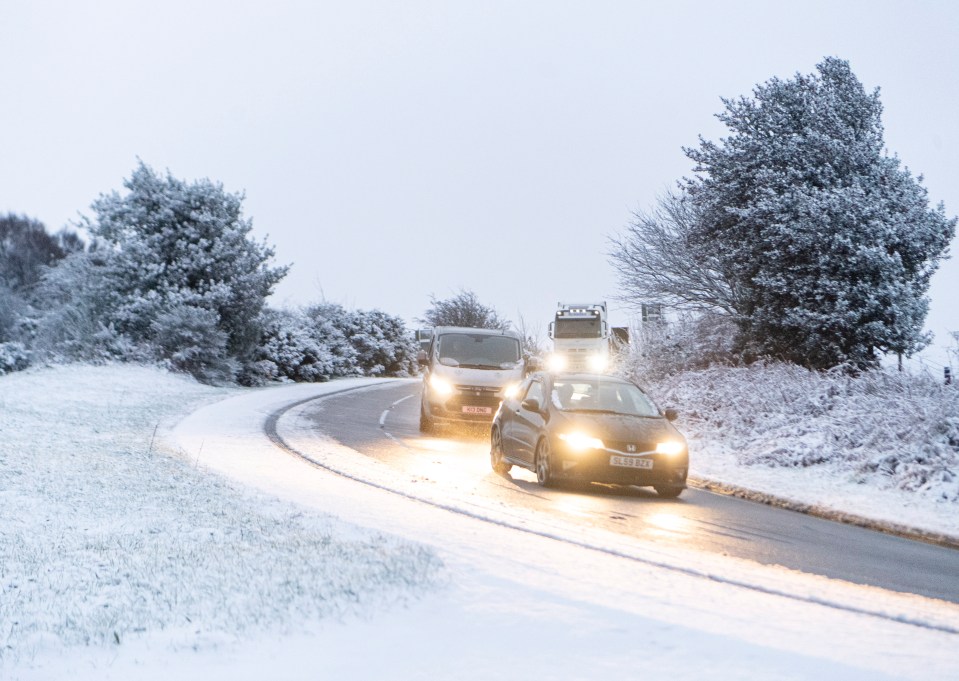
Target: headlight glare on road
580,442
669,447
440,385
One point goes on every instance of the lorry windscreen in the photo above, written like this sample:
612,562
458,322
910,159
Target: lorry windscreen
478,350
577,328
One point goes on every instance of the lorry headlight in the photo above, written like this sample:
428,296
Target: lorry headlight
440,385
510,390
556,362
670,447
580,442
598,363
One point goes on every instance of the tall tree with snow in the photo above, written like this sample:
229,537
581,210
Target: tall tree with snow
181,253
463,309
823,245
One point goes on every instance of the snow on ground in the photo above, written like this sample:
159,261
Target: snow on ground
207,552
884,446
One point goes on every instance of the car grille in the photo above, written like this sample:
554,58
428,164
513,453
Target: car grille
624,446
477,396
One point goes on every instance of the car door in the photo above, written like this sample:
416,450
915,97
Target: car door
526,423
507,412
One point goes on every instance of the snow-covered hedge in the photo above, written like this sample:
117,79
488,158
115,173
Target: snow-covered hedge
13,357
900,428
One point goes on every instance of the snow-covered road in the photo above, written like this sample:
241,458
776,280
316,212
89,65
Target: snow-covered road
530,595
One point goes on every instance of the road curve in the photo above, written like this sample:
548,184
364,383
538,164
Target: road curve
383,425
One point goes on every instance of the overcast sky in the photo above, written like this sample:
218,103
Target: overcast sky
396,150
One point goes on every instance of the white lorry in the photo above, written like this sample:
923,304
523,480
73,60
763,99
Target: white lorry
580,335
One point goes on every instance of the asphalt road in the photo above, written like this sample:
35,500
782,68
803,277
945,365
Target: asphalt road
383,423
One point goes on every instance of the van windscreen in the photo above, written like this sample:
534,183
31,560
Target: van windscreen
479,351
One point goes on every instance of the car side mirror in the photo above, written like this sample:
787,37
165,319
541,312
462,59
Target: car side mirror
671,414
422,358
531,404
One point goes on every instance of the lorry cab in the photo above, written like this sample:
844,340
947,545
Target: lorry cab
580,335
467,372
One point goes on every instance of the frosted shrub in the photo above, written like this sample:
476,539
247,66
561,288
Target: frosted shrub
189,339
289,350
902,427
13,357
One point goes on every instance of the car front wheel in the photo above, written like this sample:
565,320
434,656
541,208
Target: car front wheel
496,453
544,470
668,491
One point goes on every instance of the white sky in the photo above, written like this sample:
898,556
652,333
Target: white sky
391,151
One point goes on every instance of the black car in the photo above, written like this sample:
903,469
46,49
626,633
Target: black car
589,427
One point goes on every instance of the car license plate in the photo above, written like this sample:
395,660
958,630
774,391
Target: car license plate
630,462
467,409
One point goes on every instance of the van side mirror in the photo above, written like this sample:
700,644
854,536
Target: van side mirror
422,358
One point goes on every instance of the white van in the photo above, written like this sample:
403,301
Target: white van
467,373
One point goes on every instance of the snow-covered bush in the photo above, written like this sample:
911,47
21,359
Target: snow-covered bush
327,341
383,345
289,350
13,357
901,427
190,340
660,349
326,324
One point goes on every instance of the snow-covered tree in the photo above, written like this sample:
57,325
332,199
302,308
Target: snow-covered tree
658,261
824,243
383,344
178,246
463,309
25,249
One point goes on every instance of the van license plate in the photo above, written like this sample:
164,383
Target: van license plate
467,409
630,462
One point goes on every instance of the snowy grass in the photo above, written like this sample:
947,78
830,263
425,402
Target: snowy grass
105,537
891,431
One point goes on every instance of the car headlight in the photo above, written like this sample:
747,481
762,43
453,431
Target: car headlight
556,362
580,442
670,447
440,385
598,363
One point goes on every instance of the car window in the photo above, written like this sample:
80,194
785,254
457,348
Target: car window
600,395
535,392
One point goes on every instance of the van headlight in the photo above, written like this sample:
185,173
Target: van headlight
440,385
670,447
510,390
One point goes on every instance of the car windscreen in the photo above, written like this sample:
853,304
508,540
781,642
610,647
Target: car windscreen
578,328
478,351
602,396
